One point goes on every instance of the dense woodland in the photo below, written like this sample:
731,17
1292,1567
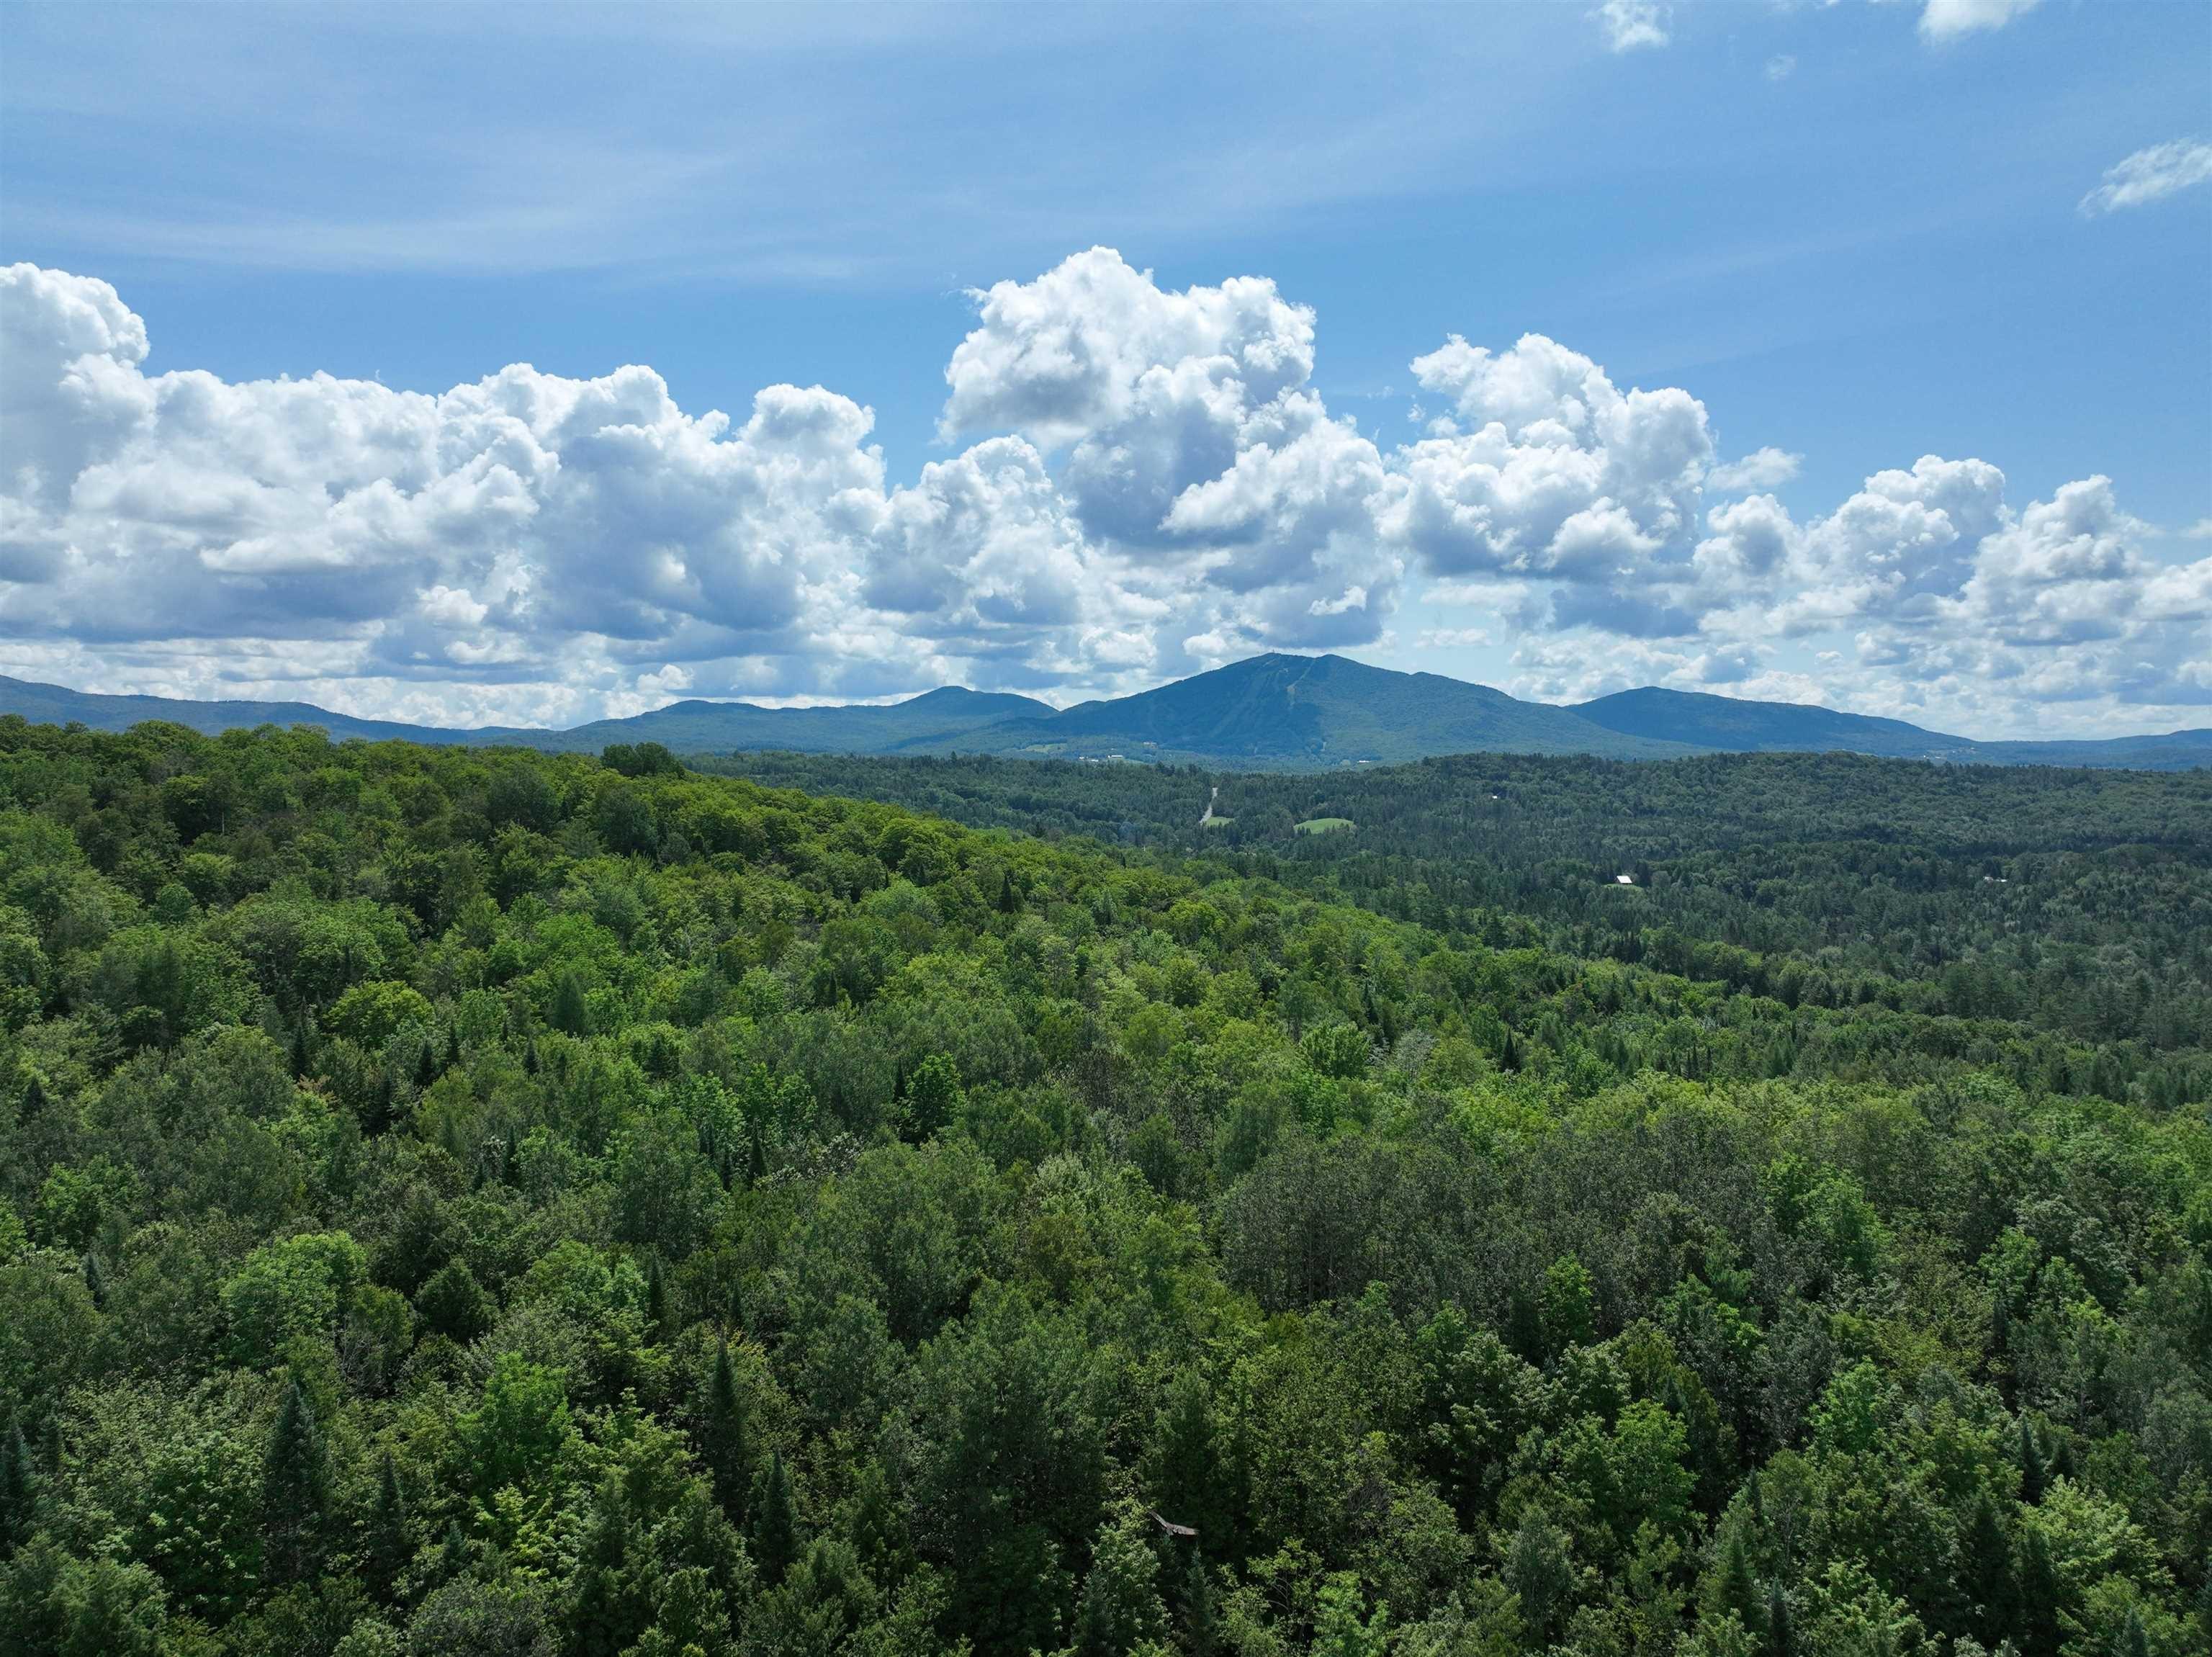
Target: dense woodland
477,1202
2079,900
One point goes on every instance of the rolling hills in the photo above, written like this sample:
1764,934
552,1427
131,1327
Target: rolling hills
1271,712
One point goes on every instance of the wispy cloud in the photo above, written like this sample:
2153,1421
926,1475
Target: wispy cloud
2150,175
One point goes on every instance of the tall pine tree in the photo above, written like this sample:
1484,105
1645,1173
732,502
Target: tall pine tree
295,1490
384,1548
774,1531
726,1438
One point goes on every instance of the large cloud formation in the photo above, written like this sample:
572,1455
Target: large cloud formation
1152,484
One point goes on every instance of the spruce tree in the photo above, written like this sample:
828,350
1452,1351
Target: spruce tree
426,1066
1986,1573
294,1490
773,1530
2133,1640
18,1488
2040,1634
384,1551
657,1328
726,1439
607,1608
1733,1589
1120,1610
2031,1478
1200,1617
96,1280
1781,1638
454,1553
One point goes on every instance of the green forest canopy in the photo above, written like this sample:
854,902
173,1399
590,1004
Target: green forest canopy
480,1202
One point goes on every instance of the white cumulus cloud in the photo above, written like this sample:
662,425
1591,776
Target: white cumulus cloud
1947,20
1150,485
1631,24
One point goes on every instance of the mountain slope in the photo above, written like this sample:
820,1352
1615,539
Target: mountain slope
1278,712
1738,726
1268,713
692,726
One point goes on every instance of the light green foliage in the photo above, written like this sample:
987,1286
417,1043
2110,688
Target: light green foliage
486,1201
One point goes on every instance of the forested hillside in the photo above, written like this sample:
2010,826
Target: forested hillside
469,1201
2079,900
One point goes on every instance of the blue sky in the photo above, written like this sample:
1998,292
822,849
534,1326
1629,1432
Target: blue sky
1856,234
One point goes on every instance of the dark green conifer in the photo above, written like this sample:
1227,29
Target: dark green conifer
2039,1628
773,1533
1986,1573
384,1551
1781,1638
453,1552
95,1280
607,1611
2133,1640
2032,1476
18,1488
657,1325
1200,1616
1734,1588
725,1437
571,1013
294,1490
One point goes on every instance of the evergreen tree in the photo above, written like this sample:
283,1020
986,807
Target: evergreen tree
737,1310
2032,1476
454,1553
657,1325
1200,1617
607,1608
1119,1608
1010,897
294,1490
2133,1640
384,1551
756,1154
773,1533
2040,1632
1733,1587
96,1280
426,1066
726,1438
571,1014
1986,1573
18,1488
1781,1638
530,1059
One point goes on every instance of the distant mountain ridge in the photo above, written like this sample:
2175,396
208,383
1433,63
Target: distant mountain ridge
1268,713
